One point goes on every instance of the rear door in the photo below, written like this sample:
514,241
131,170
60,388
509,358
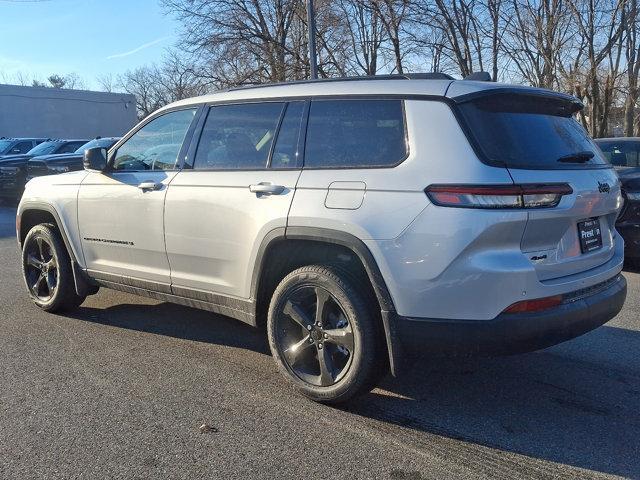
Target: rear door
236,187
540,142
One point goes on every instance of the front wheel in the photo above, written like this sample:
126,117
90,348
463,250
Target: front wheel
323,336
46,269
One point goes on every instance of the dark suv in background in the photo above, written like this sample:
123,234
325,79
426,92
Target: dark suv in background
67,162
18,146
624,155
13,168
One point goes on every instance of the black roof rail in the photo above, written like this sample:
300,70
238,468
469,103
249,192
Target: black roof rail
479,76
404,76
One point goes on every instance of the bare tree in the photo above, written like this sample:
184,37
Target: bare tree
600,24
366,34
632,57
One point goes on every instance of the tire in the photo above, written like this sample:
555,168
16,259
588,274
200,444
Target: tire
332,355
46,269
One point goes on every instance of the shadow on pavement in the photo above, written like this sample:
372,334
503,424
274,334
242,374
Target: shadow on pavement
177,321
574,404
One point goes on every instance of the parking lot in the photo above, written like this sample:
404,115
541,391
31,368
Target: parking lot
119,389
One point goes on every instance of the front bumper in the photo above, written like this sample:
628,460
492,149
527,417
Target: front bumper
581,312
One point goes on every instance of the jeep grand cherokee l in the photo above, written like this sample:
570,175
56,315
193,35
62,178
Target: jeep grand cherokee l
360,221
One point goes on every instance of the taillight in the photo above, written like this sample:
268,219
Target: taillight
498,196
535,305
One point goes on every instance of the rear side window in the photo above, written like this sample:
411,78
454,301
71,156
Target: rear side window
355,134
238,137
621,154
529,132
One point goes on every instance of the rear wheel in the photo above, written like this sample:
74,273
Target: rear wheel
46,269
323,336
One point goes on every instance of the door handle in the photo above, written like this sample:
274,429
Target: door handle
266,188
149,185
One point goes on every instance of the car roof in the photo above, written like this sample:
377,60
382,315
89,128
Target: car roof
438,85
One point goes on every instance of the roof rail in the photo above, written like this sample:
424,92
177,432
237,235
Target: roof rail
404,76
479,76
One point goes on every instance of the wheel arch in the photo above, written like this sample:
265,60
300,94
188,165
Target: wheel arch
31,214
295,238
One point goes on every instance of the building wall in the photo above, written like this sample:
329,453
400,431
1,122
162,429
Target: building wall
61,113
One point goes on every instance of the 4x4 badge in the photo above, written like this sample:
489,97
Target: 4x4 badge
604,187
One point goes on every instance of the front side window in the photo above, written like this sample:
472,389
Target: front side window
238,137
156,145
355,134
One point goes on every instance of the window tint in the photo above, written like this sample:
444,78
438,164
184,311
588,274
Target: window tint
621,154
238,136
528,132
70,147
22,147
285,152
355,133
156,145
44,148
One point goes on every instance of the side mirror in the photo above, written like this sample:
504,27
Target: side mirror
95,159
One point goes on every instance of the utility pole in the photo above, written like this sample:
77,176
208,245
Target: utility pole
311,23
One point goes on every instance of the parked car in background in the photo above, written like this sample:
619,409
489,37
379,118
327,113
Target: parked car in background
18,146
624,155
65,162
13,168
361,220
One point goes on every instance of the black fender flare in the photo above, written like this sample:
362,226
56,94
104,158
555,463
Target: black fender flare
353,243
83,284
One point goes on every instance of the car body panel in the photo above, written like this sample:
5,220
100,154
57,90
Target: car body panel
214,226
121,227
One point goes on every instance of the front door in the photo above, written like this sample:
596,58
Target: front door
120,212
238,189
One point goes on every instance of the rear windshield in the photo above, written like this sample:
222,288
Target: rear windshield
621,153
529,132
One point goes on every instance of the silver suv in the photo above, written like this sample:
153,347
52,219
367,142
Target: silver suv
358,221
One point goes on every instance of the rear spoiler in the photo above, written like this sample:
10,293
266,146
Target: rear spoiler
570,103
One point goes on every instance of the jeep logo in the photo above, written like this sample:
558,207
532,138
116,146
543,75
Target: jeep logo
603,187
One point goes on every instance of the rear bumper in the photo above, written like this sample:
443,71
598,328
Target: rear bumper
512,333
631,234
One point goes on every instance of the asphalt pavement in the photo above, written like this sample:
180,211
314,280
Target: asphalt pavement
121,387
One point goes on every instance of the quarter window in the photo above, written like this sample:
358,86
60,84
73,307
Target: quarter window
355,133
238,137
285,152
156,145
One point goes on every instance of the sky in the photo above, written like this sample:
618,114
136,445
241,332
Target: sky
90,38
